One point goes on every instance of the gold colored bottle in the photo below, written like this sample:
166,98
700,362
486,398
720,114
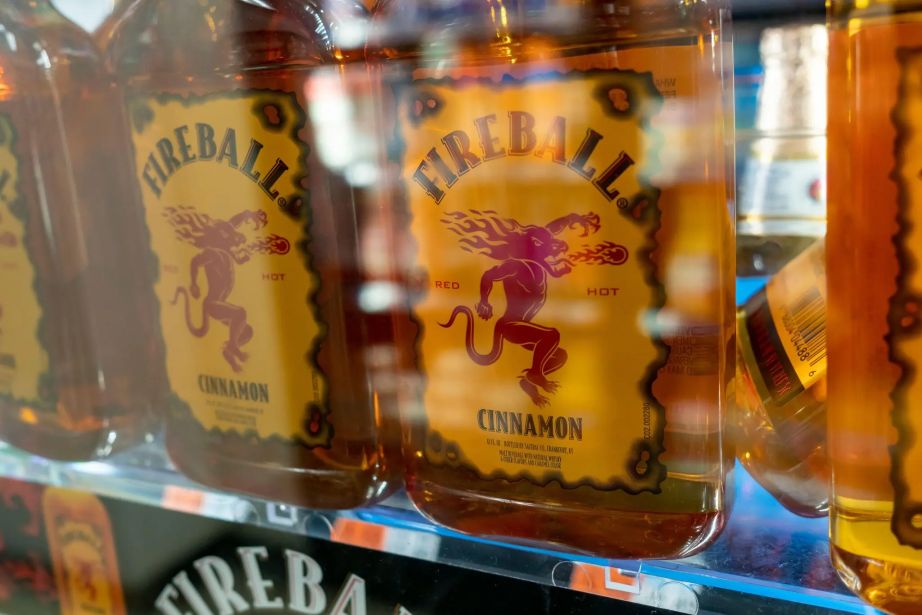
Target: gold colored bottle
781,389
256,239
875,347
78,365
562,174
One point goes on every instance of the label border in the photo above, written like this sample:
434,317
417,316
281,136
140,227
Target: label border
19,208
899,328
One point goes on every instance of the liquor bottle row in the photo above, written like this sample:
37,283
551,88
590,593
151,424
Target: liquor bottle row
485,250
283,229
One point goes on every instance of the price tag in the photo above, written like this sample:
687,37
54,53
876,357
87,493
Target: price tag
181,499
604,581
359,533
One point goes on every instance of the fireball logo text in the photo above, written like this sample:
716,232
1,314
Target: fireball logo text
222,247
527,255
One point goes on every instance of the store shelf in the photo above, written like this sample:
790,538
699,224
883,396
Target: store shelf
766,561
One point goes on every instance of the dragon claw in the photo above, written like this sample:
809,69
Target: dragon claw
532,391
232,360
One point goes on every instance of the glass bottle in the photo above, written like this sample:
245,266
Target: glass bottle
781,389
875,156
257,242
79,371
781,208
571,273
83,554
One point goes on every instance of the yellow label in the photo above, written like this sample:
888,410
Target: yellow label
906,308
83,553
221,178
796,298
535,226
24,360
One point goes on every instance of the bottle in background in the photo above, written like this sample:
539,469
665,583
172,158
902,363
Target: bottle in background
79,368
781,389
83,554
781,207
562,178
873,255
256,230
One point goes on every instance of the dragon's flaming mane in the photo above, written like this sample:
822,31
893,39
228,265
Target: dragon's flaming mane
188,224
484,232
605,253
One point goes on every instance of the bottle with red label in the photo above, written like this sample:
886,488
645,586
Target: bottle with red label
79,367
240,116
561,173
781,391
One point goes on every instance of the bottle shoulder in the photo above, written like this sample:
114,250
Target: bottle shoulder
35,55
428,29
151,37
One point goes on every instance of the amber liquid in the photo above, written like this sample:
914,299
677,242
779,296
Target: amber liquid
782,440
784,445
224,47
81,234
690,510
864,84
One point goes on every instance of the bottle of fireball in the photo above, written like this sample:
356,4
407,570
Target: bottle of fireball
564,176
781,392
253,230
875,299
78,370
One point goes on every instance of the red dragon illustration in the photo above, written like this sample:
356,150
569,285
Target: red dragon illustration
528,254
223,246
85,572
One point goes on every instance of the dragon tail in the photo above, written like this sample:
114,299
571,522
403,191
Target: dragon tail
476,357
196,331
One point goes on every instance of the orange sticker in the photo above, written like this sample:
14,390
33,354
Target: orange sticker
358,533
181,499
603,581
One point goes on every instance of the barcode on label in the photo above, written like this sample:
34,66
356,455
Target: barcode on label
806,322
